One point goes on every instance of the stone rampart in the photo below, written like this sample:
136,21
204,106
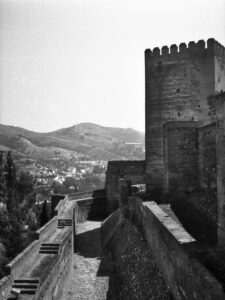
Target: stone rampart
51,285
50,282
180,85
183,50
93,206
172,247
131,170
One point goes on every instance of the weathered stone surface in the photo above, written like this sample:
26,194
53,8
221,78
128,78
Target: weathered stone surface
178,88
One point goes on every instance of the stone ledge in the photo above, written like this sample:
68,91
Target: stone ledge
179,233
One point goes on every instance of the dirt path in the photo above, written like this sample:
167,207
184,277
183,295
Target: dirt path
90,277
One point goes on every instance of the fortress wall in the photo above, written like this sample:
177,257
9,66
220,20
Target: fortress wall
90,207
180,156
51,286
131,170
207,157
220,165
178,88
172,247
86,194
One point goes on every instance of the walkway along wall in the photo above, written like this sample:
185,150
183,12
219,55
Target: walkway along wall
52,270
172,247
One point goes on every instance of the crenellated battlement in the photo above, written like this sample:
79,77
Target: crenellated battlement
211,47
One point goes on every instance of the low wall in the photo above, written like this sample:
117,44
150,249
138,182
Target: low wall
86,194
23,259
131,170
51,286
172,247
47,228
80,195
109,227
92,207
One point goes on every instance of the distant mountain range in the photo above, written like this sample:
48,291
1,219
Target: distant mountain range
85,139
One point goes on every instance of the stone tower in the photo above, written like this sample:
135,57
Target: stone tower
179,87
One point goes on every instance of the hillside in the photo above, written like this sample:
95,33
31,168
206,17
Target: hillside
85,139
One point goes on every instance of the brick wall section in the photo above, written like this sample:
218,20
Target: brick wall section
131,170
180,156
178,88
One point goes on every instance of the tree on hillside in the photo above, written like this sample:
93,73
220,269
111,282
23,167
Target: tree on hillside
24,188
44,214
10,178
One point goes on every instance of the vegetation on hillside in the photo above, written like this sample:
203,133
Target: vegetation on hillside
83,140
18,213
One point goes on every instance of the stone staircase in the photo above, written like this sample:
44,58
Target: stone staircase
24,286
64,222
49,248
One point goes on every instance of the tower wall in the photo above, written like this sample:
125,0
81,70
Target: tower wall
178,88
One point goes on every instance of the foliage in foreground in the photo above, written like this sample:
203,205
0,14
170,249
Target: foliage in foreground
18,213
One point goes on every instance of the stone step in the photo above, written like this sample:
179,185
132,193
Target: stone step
50,244
28,291
18,291
64,221
25,286
49,248
15,292
26,280
48,252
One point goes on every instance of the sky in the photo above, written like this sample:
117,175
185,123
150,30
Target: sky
63,62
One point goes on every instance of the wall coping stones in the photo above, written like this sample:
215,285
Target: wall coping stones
179,233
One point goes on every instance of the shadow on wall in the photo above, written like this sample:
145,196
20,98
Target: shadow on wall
194,219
